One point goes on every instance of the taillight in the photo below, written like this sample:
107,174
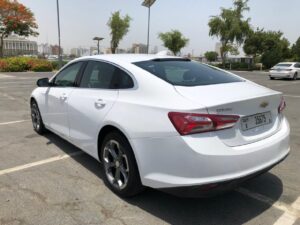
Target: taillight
282,105
190,123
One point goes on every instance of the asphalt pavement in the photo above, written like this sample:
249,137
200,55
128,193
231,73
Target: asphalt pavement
46,180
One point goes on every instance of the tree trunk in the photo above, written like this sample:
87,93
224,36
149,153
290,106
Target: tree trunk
223,58
223,54
1,46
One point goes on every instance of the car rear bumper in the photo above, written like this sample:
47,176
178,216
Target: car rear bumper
192,161
209,190
282,74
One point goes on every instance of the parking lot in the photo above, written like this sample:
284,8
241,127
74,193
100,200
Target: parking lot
45,180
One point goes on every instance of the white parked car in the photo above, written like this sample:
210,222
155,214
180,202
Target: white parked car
285,70
164,122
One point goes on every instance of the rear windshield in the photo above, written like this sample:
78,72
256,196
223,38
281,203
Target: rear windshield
284,64
186,72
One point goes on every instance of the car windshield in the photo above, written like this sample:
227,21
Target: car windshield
283,65
183,72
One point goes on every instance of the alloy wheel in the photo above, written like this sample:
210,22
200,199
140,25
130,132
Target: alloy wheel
115,164
35,116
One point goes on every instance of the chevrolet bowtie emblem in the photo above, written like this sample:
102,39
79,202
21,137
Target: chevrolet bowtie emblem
264,104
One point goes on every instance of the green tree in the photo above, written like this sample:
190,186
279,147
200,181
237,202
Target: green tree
296,50
173,40
119,27
211,56
253,44
270,45
230,27
15,18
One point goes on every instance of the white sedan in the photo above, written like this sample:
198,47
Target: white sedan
164,122
289,70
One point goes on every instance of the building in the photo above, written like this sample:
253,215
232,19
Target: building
93,50
240,59
78,52
154,50
44,49
139,48
16,46
218,48
121,51
54,50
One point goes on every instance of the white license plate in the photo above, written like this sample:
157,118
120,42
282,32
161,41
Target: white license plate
256,120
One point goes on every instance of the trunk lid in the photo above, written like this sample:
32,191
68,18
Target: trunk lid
240,98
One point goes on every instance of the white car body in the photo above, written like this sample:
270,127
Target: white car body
285,70
166,159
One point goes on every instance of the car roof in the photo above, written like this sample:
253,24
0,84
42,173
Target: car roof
286,63
126,58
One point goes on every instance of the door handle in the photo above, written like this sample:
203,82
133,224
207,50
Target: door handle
100,103
63,97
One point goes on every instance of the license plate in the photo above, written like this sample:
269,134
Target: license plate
256,120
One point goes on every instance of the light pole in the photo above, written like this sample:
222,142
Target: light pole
98,39
148,4
58,26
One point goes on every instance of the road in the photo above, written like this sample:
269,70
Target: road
45,180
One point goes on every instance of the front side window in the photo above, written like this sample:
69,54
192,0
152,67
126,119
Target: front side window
183,72
67,77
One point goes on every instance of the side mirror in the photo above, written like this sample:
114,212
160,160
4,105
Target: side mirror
43,82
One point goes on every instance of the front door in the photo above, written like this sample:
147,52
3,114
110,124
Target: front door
57,98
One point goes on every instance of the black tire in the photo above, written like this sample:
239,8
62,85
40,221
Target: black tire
271,78
126,160
36,118
295,77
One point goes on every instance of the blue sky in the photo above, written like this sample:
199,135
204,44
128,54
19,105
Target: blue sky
81,20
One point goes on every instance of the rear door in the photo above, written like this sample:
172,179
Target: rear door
57,97
90,103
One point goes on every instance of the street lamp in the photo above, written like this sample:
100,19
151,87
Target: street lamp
58,26
98,39
148,4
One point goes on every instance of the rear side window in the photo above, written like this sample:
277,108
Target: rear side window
98,75
105,76
186,73
122,80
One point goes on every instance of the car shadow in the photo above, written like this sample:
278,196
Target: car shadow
284,79
229,208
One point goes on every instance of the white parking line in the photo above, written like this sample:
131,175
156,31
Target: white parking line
291,212
5,76
292,96
287,218
38,163
286,84
13,122
7,96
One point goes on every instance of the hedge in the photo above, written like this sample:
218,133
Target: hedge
21,64
237,66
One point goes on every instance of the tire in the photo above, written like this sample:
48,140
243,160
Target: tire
271,78
121,173
295,76
36,118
